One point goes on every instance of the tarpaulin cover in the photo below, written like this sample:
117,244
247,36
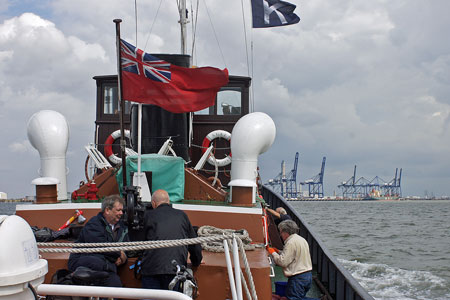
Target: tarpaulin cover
167,173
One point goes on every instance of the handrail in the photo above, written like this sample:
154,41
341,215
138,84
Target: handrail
101,291
338,281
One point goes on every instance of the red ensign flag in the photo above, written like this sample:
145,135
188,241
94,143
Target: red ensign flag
148,79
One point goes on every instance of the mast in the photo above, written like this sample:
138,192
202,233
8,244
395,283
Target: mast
183,21
122,105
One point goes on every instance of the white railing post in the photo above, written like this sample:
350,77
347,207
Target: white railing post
230,270
237,269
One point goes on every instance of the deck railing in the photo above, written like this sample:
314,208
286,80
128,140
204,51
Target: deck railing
337,280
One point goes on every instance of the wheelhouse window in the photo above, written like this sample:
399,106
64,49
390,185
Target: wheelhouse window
228,102
111,104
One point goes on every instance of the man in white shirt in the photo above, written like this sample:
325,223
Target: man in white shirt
295,261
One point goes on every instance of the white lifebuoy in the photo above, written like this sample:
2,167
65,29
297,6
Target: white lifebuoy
108,146
207,142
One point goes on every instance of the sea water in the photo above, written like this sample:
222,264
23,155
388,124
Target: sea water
7,208
396,250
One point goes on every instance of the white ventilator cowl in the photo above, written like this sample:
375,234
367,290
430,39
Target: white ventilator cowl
48,132
19,260
252,135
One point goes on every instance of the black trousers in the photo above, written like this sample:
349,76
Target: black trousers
99,264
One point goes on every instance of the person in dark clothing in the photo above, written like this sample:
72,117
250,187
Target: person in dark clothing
166,223
280,215
106,227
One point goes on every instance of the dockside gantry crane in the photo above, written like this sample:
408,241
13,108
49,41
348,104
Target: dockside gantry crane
315,184
361,188
286,185
393,187
291,181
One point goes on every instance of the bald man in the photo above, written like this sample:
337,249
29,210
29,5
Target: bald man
166,223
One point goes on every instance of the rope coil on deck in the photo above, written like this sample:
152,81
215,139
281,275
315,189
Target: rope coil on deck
217,246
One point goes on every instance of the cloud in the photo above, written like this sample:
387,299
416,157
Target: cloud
22,146
43,68
362,83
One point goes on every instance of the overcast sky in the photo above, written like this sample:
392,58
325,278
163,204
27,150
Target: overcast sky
363,83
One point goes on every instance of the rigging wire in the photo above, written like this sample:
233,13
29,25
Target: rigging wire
215,35
136,20
153,23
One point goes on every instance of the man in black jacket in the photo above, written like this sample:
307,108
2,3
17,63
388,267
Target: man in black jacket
280,214
166,223
106,227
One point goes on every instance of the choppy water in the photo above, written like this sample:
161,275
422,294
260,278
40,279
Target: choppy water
396,250
7,208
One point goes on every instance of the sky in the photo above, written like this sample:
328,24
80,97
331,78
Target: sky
363,83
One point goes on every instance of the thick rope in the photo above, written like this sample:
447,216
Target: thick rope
244,284
117,244
213,246
126,246
247,269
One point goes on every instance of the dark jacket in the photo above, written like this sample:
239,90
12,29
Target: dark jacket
282,218
167,223
97,230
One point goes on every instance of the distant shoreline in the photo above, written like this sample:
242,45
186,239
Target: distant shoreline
369,200
16,200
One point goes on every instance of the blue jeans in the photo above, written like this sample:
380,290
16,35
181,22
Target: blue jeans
298,285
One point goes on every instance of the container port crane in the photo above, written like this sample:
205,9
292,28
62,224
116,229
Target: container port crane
363,188
393,187
349,189
286,185
315,184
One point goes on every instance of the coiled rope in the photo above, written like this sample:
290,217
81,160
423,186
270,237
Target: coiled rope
217,246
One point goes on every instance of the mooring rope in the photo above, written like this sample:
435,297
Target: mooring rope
217,246
247,269
126,246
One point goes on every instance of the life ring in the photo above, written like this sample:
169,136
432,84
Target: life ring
207,142
108,146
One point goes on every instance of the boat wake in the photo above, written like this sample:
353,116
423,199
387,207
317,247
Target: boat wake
385,282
